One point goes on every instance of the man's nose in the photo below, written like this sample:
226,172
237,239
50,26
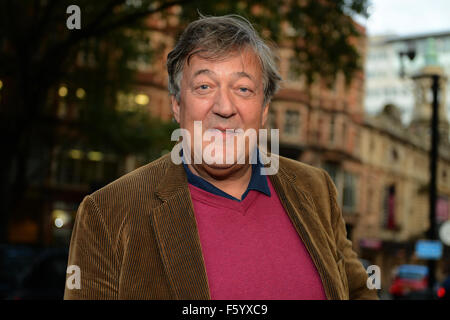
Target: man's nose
223,104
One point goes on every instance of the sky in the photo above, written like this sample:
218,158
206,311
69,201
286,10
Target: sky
405,17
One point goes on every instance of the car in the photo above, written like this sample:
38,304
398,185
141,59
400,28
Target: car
410,282
443,291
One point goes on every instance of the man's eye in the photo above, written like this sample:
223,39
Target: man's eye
244,91
203,89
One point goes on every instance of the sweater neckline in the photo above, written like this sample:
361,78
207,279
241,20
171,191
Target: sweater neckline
217,201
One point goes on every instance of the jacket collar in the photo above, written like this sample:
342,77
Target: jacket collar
173,181
175,228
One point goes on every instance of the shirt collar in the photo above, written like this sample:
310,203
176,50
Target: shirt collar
258,181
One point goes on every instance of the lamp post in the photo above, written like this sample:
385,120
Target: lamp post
433,156
411,54
432,234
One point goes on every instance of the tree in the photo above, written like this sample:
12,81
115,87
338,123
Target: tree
39,52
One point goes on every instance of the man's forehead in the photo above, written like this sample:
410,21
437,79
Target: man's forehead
246,62
223,54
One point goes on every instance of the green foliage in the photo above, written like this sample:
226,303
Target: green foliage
320,32
106,70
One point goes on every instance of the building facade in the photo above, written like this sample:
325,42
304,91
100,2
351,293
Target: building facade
394,191
384,84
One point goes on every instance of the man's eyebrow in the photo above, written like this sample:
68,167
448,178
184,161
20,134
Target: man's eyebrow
243,74
203,71
240,74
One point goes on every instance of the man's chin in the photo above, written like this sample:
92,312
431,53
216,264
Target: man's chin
221,171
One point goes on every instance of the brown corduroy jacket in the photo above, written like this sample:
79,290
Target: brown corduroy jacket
137,238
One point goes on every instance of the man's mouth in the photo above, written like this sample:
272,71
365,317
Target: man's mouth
224,129
225,133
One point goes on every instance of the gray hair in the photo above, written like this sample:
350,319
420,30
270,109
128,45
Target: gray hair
214,38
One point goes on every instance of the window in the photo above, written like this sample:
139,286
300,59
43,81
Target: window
344,133
331,133
369,202
349,192
346,186
291,122
78,167
357,142
389,208
442,206
294,68
394,155
271,119
131,102
332,169
372,144
319,130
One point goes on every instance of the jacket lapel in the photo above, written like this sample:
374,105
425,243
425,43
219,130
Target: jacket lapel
175,227
302,211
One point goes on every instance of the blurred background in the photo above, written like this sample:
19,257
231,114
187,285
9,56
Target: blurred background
364,97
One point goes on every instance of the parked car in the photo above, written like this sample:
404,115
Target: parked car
410,282
443,291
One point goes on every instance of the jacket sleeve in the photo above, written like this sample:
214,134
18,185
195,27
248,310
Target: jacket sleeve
91,255
356,274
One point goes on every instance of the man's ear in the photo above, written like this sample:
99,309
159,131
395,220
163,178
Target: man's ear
264,115
175,108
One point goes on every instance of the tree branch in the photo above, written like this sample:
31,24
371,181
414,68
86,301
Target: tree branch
107,10
57,52
86,33
40,26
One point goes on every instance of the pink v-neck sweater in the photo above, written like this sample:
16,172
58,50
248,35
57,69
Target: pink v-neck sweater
252,250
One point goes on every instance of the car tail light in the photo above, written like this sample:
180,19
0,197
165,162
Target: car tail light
441,292
396,289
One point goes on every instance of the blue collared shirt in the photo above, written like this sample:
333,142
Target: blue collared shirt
257,182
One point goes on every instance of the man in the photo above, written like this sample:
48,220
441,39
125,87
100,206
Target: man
214,226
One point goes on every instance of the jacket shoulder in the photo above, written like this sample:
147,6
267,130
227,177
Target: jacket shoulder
132,194
300,169
141,180
313,182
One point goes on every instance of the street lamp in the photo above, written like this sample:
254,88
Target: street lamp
433,155
411,54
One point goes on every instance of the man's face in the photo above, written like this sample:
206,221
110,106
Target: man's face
223,94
